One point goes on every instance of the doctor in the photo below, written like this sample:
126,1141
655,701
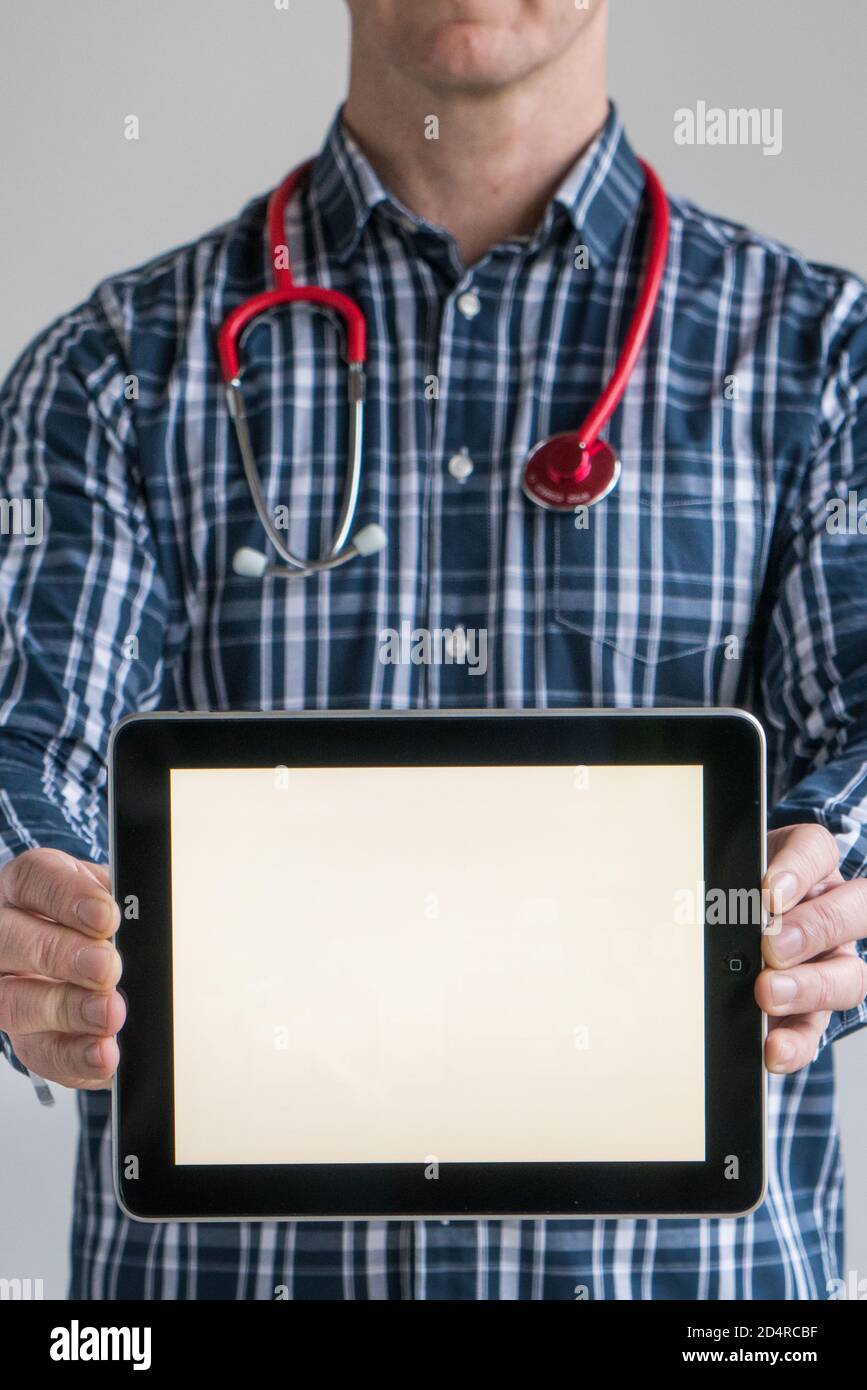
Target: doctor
480,202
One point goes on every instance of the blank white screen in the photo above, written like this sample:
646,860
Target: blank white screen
461,964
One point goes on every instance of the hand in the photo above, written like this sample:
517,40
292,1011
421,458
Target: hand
812,965
58,968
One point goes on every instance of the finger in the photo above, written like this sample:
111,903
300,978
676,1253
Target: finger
800,857
837,982
32,944
793,1044
830,882
100,872
54,884
86,1063
44,1006
819,924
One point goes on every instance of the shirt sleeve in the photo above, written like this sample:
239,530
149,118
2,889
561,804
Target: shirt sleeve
82,605
814,670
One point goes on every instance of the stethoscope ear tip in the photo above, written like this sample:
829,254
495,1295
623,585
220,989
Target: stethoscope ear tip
253,564
249,563
369,540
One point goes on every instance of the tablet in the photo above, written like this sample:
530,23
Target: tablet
439,964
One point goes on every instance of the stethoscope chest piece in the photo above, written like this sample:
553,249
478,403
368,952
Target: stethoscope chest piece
562,473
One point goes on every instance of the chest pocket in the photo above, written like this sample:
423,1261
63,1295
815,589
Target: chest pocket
663,592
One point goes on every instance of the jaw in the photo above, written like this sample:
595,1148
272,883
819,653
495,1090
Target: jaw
470,45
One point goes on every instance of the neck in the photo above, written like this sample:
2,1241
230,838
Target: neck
500,154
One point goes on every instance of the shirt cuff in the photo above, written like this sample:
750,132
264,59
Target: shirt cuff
849,1020
43,1091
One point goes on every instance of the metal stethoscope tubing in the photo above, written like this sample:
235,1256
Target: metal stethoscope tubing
368,540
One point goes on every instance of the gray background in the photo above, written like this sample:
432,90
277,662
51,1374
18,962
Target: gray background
229,94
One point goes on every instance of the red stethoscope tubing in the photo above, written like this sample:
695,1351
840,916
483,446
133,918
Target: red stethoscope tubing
285,291
593,424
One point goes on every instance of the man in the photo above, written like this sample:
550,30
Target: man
480,201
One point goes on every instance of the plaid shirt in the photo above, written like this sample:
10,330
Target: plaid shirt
709,577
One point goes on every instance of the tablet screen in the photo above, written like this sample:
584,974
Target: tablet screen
438,964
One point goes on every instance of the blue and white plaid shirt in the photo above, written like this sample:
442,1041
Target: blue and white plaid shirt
709,577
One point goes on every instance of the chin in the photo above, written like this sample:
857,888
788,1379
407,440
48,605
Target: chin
472,56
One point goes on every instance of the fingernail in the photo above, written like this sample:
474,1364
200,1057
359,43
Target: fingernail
785,1053
788,944
95,1009
94,963
93,1054
96,913
784,890
783,988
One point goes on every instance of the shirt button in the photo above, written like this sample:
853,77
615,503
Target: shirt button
469,304
460,467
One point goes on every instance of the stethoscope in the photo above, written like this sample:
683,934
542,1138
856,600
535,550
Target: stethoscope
567,471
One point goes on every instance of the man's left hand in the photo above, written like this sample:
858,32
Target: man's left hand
812,967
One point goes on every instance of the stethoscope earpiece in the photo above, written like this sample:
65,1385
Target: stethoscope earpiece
369,540
253,564
249,563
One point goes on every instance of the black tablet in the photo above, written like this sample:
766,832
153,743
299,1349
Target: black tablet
439,964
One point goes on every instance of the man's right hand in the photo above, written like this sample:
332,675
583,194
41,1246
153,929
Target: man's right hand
58,968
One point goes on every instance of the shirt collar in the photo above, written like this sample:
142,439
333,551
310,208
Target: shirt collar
602,189
598,194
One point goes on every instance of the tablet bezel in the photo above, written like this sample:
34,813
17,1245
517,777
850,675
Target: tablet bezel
144,747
